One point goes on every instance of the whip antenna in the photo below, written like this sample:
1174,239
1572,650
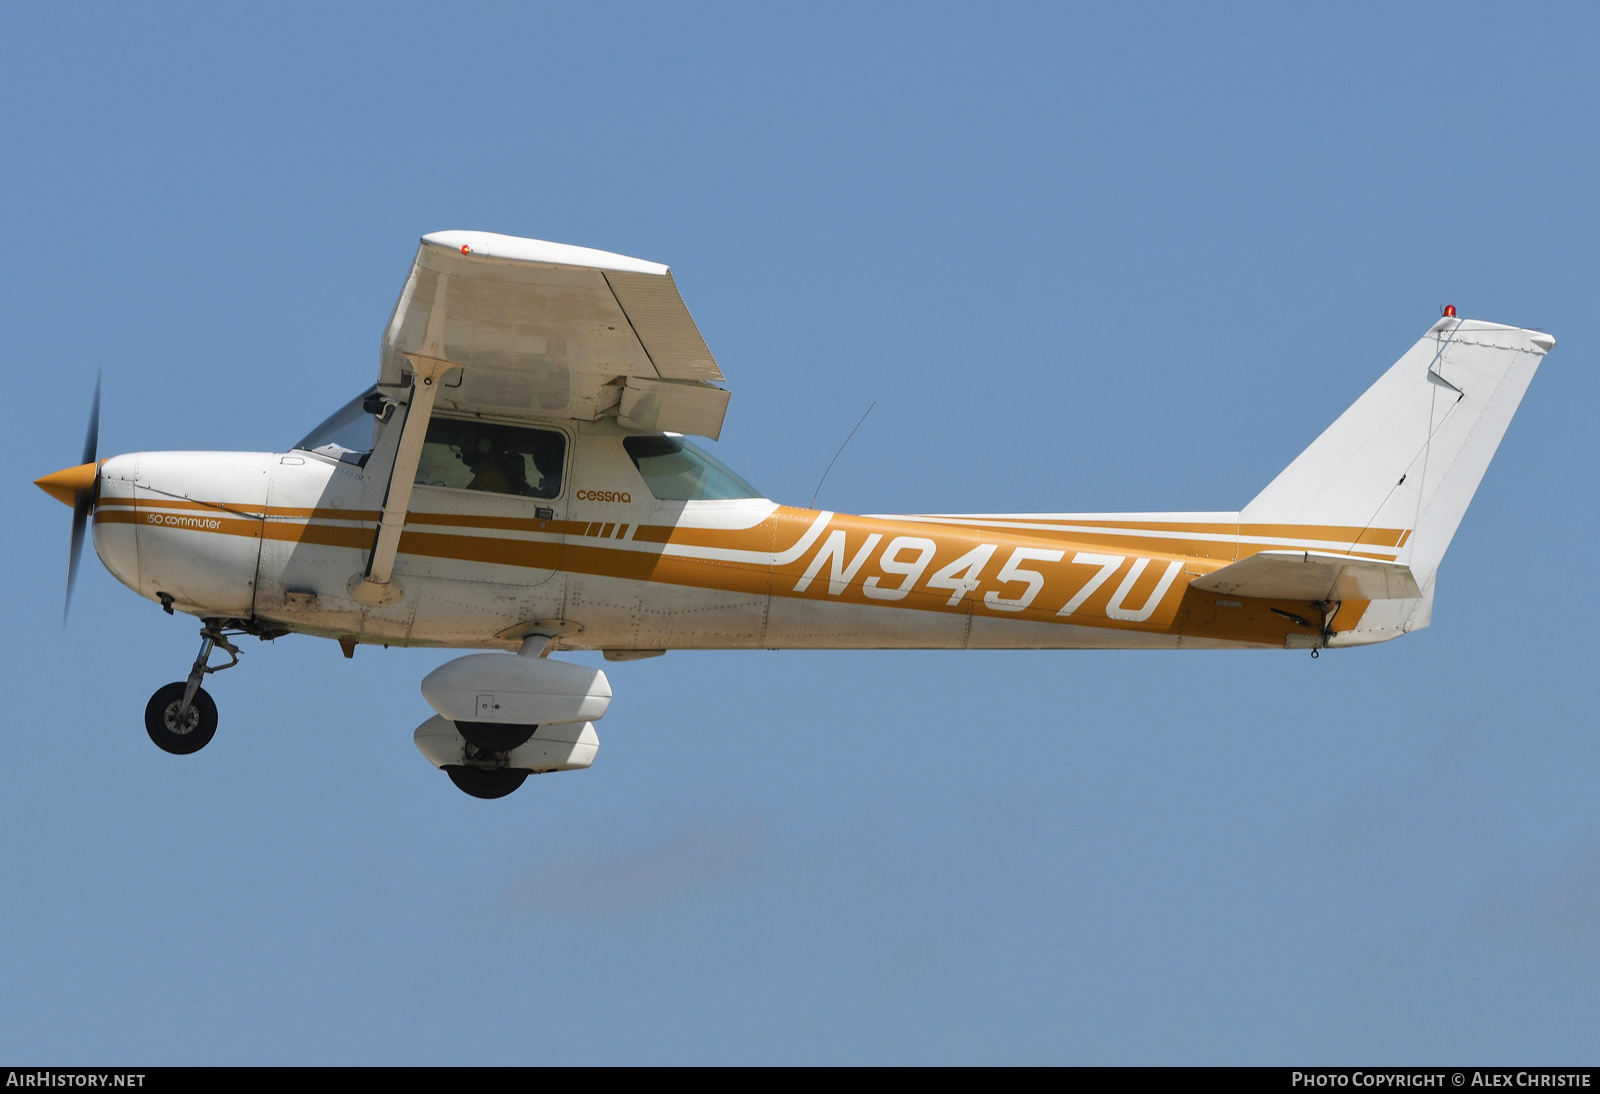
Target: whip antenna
836,456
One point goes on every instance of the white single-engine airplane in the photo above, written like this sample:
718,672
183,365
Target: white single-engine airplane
517,480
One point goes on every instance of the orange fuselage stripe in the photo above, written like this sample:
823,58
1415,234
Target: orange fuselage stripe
597,548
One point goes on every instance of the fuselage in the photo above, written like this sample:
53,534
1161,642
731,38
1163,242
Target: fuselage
276,538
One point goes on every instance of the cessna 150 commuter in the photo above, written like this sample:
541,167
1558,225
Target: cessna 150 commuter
518,479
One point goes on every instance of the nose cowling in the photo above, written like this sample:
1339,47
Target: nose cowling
184,524
65,485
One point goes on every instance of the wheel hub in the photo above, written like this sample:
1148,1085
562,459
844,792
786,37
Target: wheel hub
184,725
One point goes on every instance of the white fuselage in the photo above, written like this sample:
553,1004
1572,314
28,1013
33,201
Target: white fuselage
277,539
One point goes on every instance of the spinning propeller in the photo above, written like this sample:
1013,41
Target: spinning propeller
77,487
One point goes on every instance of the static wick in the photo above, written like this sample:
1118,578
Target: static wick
836,456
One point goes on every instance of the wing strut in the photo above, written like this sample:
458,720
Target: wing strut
376,585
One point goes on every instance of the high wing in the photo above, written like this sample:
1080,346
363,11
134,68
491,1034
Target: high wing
524,328
546,330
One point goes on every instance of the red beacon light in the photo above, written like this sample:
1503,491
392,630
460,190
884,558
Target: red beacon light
1449,309
466,250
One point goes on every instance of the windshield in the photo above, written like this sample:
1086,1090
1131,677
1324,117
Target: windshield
348,435
676,470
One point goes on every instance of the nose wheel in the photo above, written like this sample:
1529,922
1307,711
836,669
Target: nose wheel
180,717
177,726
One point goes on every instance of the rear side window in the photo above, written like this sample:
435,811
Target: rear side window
497,459
676,470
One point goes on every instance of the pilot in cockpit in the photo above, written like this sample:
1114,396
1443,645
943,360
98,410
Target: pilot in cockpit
495,467
492,459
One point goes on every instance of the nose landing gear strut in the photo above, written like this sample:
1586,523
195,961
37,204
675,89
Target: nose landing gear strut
180,717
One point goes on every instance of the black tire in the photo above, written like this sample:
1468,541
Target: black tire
495,736
495,782
160,720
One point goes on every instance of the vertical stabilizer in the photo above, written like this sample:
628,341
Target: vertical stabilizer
1400,466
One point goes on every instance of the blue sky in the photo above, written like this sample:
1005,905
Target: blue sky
1083,260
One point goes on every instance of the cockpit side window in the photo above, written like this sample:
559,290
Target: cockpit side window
350,434
497,459
676,470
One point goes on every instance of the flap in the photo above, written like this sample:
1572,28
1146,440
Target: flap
546,330
672,406
1311,575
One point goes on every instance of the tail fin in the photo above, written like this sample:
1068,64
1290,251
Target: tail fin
1399,467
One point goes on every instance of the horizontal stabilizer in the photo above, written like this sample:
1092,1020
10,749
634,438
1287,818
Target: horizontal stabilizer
1311,575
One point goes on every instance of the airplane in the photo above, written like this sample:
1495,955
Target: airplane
519,480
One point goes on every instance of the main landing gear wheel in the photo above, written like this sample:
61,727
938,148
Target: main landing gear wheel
481,782
181,718
492,737
180,733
